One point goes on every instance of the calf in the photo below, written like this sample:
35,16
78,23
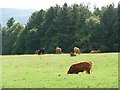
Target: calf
95,51
72,54
80,67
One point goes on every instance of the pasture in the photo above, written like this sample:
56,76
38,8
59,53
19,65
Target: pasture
50,71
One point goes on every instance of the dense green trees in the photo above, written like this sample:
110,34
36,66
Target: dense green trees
10,37
10,22
118,25
110,36
0,39
65,27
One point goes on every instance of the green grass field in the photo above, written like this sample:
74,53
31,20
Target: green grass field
50,71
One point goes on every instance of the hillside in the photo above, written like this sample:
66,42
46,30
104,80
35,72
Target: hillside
20,15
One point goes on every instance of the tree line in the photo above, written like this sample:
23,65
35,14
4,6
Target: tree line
66,27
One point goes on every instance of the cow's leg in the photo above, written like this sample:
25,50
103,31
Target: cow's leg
77,72
88,70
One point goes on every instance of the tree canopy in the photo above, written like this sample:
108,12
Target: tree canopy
65,27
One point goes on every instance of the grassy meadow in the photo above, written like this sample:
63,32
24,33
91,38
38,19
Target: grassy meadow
50,71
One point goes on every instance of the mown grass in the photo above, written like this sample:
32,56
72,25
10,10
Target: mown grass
50,71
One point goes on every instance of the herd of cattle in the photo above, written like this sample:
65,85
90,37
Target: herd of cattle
58,50
75,68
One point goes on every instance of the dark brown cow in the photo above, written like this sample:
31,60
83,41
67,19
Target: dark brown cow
72,54
58,50
76,50
80,67
37,52
40,51
95,51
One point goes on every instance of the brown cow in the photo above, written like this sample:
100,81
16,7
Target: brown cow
80,67
72,54
95,51
40,51
76,50
58,50
37,52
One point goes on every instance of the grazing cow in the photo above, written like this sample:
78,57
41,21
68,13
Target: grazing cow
40,51
80,67
37,52
95,51
72,54
58,50
76,50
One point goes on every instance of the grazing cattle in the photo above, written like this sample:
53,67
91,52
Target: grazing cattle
40,51
76,50
58,50
72,54
80,67
95,51
37,52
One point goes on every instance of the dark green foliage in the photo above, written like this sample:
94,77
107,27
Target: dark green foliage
109,20
0,39
118,26
10,22
65,27
10,37
31,41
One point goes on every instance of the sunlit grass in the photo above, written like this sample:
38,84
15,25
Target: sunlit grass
50,71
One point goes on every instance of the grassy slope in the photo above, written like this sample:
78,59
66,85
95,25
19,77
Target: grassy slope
49,71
